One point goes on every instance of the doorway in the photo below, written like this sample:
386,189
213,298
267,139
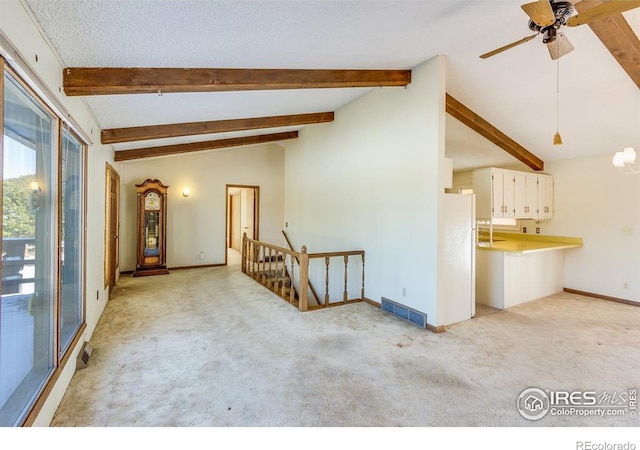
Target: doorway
112,228
242,217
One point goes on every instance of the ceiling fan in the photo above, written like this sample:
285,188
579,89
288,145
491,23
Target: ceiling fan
547,17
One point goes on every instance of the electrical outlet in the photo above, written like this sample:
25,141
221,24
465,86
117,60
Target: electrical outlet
625,285
537,230
201,256
524,229
627,230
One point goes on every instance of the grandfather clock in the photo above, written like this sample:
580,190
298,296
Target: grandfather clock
152,229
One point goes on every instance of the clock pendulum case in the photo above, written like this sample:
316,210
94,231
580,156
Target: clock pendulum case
152,229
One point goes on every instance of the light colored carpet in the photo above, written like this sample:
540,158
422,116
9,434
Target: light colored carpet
211,347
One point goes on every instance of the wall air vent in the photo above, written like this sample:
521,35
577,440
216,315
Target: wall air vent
404,312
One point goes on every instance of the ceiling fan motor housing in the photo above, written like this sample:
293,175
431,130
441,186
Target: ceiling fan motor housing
562,11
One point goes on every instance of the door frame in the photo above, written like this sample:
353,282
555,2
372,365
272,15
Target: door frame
256,213
111,235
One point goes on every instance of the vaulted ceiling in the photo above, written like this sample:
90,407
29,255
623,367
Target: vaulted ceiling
514,91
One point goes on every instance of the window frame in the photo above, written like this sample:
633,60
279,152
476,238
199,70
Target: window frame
60,360
62,128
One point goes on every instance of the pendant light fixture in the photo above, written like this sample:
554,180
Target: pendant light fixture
557,140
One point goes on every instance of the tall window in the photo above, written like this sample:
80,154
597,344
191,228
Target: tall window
71,239
41,306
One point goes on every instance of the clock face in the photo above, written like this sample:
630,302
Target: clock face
152,201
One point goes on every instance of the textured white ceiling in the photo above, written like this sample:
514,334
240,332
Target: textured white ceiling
515,91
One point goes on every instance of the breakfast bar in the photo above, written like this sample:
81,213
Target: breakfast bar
514,268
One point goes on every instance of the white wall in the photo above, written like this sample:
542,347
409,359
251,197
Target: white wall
593,200
18,28
369,180
198,223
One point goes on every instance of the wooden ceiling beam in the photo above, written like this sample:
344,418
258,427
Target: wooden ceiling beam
120,135
485,129
619,38
150,152
113,80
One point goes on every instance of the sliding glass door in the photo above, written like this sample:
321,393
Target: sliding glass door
29,188
43,165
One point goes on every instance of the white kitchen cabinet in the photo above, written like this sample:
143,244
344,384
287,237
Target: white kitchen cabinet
526,195
545,197
511,194
495,193
503,194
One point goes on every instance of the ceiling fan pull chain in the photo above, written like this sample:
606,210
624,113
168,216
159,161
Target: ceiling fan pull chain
557,139
557,93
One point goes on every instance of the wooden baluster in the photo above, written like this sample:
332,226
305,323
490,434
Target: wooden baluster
274,279
277,274
245,269
272,274
303,304
362,291
258,273
283,275
254,251
268,278
253,260
292,287
326,281
345,295
243,252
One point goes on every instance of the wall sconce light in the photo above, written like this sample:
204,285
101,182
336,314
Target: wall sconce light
624,161
34,196
186,192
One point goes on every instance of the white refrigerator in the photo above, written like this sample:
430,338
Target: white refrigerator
458,254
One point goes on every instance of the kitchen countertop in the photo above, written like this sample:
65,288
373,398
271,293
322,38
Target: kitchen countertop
527,243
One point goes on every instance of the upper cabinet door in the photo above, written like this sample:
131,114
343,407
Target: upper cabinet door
531,196
509,194
520,194
503,194
545,197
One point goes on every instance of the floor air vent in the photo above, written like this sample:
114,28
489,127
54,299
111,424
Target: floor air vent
83,356
404,312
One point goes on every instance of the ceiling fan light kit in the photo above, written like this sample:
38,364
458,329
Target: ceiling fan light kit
624,161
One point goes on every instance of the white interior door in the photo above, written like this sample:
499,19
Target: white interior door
235,215
249,207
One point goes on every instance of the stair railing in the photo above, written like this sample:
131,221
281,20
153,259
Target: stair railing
286,273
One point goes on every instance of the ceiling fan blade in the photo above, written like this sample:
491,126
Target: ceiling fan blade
602,11
540,12
560,47
507,47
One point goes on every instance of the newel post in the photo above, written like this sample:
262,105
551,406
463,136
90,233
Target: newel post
244,253
304,280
